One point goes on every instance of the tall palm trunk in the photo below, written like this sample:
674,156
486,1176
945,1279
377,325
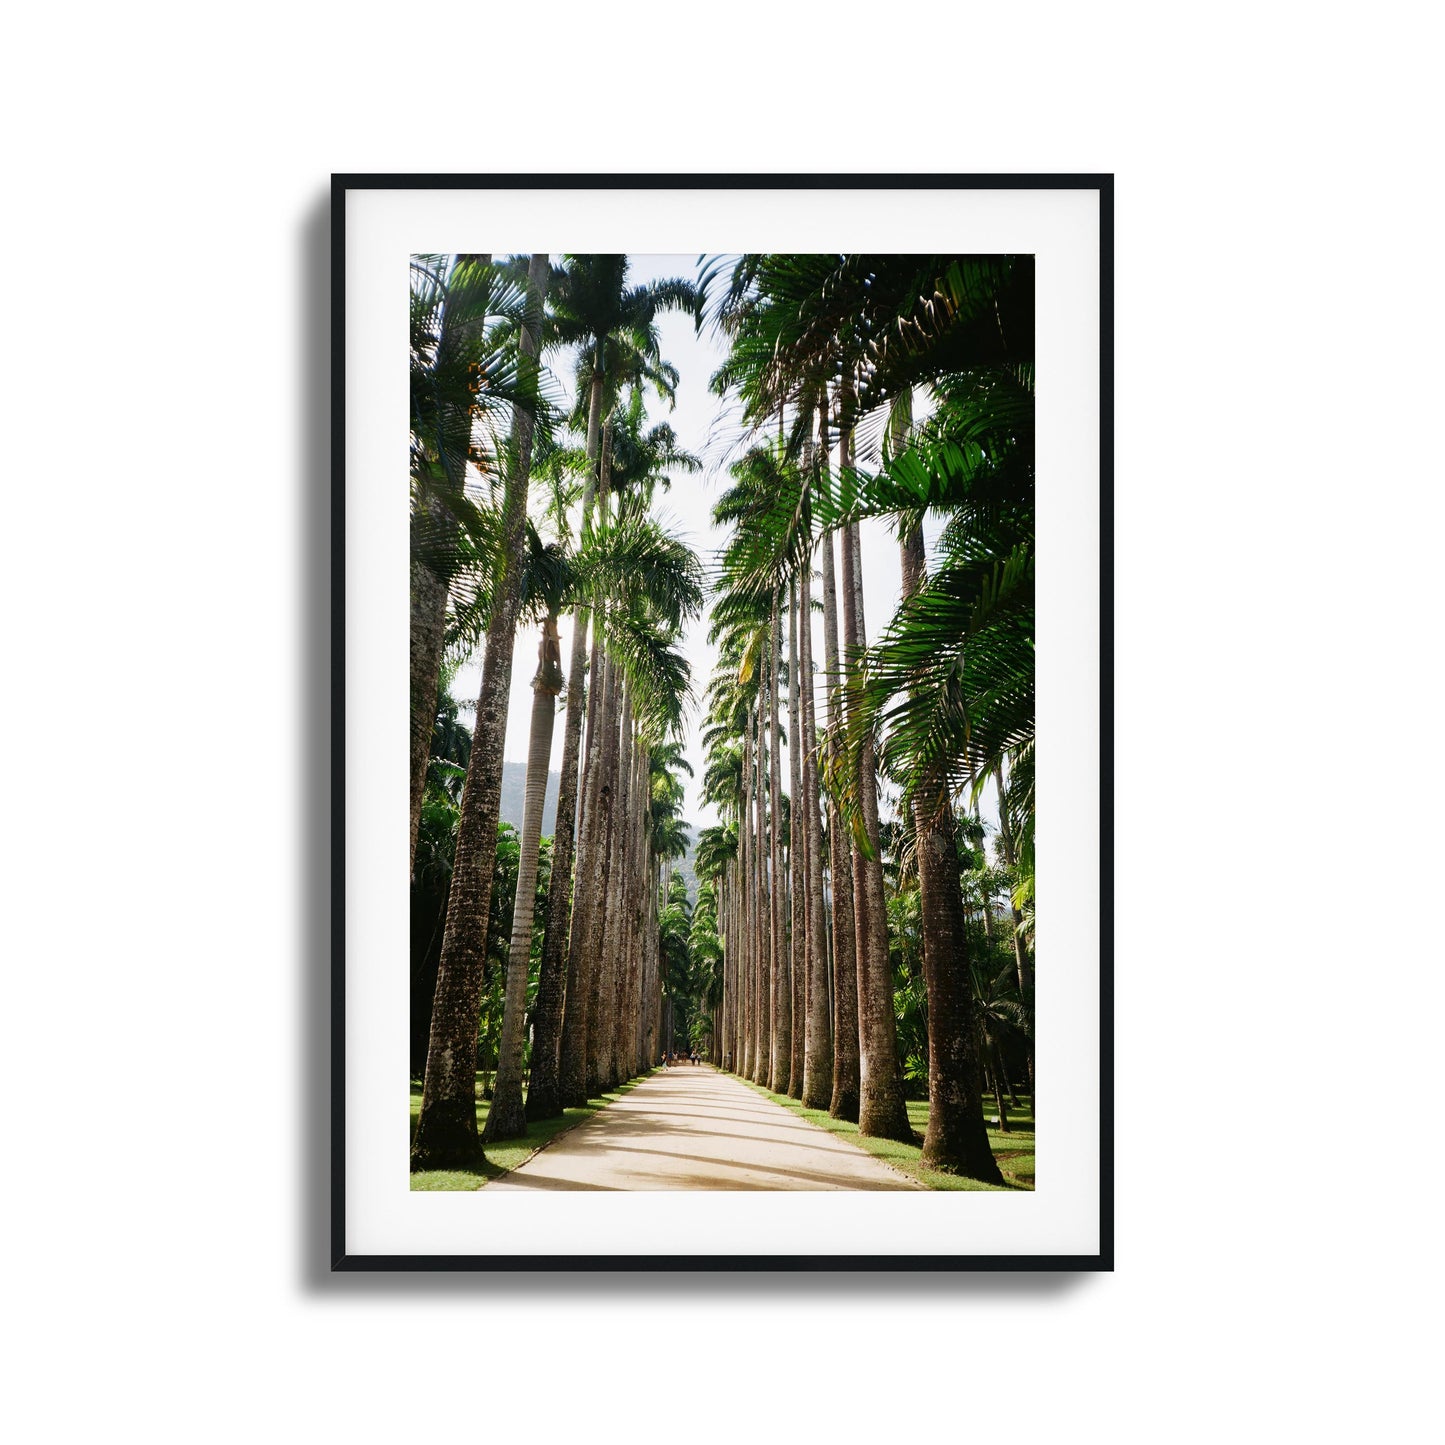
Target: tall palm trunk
583,955
507,1119
654,952
818,1046
647,1007
882,1111
749,957
844,1104
577,1018
630,1013
782,1003
739,964
647,886
613,935
956,1140
582,963
446,1135
730,988
428,631
762,945
619,921
613,894
724,927
797,903
598,1036
544,1093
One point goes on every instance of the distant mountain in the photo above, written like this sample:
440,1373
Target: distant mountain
682,867
514,795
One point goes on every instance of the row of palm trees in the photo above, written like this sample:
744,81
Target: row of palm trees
483,423
832,350
787,962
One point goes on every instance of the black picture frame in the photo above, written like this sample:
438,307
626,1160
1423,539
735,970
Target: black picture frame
341,1259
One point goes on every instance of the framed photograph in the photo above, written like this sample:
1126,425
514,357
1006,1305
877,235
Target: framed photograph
722,628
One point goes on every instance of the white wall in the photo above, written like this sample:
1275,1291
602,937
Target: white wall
164,576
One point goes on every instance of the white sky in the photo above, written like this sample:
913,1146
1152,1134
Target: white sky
709,428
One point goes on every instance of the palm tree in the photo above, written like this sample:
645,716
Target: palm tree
782,995
706,949
464,386
614,328
849,987
952,677
818,1043
869,329
797,914
588,1051
446,1136
506,1119
712,864
639,566
882,1110
955,1139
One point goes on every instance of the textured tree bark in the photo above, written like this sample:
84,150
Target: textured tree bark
739,964
844,1104
629,1030
650,904
616,891
735,947
446,1135
583,943
582,961
818,1046
614,938
625,865
654,950
797,912
724,914
749,900
614,901
599,1023
507,1119
428,630
544,1095
576,1019
762,945
782,1003
956,1140
882,1111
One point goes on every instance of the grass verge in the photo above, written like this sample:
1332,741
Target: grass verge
501,1158
1013,1151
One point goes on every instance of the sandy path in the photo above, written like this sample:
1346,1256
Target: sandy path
691,1127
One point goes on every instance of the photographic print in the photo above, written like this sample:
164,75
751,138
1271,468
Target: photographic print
722,660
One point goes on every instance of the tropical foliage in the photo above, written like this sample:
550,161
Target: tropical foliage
829,355
854,935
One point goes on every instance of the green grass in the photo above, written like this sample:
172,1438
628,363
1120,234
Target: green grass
500,1158
1014,1151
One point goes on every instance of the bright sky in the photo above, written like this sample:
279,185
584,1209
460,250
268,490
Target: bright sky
710,429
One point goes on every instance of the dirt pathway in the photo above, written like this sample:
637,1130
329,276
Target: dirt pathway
691,1127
